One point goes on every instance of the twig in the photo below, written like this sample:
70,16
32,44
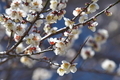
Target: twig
79,51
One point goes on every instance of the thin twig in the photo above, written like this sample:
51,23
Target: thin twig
79,51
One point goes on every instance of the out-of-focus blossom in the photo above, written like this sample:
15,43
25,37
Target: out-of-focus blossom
38,74
20,48
87,53
27,61
108,65
101,36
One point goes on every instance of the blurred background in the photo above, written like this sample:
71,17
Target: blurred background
14,70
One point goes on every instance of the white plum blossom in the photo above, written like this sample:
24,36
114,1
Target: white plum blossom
77,11
87,53
38,23
16,4
9,25
60,44
17,37
73,68
33,39
36,5
92,43
83,17
49,30
30,17
53,4
92,26
108,65
69,23
51,18
92,7
66,68
16,14
37,74
60,51
20,29
65,65
61,6
60,48
101,36
27,61
61,71
76,33
19,48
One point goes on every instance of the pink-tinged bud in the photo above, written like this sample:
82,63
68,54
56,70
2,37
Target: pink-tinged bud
108,13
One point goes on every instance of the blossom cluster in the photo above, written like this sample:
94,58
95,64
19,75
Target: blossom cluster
94,43
66,68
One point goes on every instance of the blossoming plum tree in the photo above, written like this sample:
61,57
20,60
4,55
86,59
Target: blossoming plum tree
24,19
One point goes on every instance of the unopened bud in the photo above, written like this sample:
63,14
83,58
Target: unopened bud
108,13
